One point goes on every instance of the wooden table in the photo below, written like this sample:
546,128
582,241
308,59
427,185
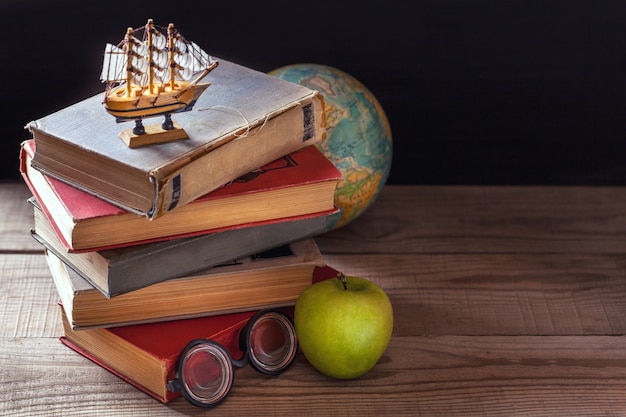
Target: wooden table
507,301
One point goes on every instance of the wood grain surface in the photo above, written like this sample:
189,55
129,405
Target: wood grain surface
507,301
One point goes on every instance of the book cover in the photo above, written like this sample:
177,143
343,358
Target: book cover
273,278
244,121
119,271
145,355
301,183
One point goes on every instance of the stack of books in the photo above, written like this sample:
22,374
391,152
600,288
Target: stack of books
152,247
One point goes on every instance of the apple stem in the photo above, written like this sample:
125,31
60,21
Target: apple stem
342,278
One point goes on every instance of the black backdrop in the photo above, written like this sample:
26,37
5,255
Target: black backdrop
477,92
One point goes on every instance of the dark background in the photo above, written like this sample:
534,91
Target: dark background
476,92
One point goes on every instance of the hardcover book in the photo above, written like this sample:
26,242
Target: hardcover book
299,184
145,355
269,279
119,271
245,120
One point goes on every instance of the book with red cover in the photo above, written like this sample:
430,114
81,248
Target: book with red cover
299,184
145,355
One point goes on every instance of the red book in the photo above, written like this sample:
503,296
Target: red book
145,355
296,185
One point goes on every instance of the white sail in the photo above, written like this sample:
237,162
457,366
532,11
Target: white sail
191,61
184,60
185,74
202,59
139,68
162,75
139,47
114,64
159,40
161,59
180,46
133,60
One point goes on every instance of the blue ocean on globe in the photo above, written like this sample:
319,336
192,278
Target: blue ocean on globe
359,139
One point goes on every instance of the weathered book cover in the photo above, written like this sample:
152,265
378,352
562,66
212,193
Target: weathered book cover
244,121
301,183
119,271
145,355
154,347
270,279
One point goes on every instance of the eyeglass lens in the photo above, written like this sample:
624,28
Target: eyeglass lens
208,373
271,342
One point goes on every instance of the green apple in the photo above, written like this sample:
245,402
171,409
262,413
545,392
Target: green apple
343,325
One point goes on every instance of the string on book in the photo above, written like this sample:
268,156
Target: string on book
231,110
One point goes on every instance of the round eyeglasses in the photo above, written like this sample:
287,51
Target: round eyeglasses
205,368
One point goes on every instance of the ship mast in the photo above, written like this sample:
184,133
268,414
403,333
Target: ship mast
129,60
170,38
150,31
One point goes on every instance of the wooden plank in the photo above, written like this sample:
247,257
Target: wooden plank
429,376
507,300
43,377
16,219
498,294
30,300
549,294
422,219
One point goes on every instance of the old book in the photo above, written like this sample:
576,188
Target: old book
145,355
244,121
273,278
119,271
301,183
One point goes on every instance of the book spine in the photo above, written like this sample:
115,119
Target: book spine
294,129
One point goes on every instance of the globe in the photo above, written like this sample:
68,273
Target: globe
358,141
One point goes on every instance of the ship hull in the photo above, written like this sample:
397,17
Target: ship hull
141,104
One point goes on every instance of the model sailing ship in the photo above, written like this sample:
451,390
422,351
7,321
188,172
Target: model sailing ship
159,73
